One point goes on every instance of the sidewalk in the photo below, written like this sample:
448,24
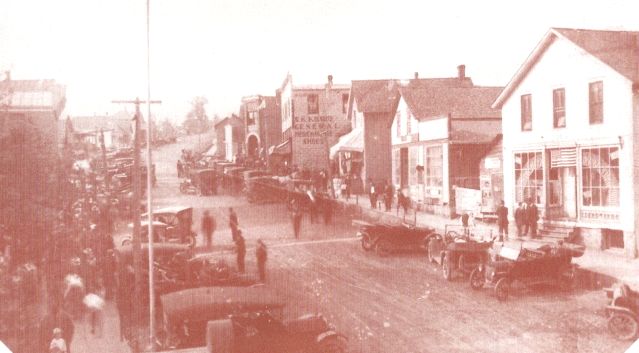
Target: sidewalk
604,267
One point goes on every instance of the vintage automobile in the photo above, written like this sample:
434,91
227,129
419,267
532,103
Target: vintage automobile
623,311
457,253
202,182
264,189
387,238
173,226
242,320
548,264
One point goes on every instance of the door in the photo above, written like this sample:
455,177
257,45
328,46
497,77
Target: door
403,165
569,188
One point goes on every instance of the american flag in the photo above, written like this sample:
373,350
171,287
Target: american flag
565,157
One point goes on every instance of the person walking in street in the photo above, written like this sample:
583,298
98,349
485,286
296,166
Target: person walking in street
532,217
388,195
372,194
180,168
208,228
233,222
261,253
240,248
502,220
519,219
296,217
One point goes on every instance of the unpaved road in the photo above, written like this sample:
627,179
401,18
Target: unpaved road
400,303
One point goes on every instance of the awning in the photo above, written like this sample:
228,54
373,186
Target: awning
351,142
283,148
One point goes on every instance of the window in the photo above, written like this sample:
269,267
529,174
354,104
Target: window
595,99
398,122
344,102
313,103
529,176
600,177
559,107
434,172
252,116
526,112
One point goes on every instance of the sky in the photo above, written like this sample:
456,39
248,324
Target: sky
226,49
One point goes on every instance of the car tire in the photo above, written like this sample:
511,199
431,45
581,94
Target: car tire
567,279
623,326
332,344
367,244
502,288
477,279
126,242
382,248
447,271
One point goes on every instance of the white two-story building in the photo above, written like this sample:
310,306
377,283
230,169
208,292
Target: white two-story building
570,119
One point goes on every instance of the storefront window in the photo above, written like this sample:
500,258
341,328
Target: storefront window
600,176
412,165
529,177
433,167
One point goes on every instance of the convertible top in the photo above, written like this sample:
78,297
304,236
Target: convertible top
215,302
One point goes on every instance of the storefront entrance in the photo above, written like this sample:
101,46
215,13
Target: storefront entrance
562,184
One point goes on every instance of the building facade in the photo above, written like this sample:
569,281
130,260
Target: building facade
571,116
229,133
313,117
262,122
439,134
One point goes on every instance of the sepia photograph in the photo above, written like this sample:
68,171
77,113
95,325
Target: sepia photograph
327,176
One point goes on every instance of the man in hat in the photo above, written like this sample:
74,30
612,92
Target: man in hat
261,253
240,248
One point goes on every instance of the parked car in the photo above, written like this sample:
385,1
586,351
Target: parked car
242,320
548,264
459,253
264,189
386,238
623,312
176,222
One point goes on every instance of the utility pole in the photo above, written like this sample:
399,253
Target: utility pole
136,244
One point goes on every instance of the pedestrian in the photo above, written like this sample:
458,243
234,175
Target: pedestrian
347,189
208,228
532,217
240,248
519,218
296,217
94,303
179,168
388,196
502,220
464,220
233,223
372,195
327,209
524,219
261,253
58,344
56,318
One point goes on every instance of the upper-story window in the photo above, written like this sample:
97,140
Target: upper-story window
313,103
344,102
251,118
595,99
398,121
559,107
526,112
408,122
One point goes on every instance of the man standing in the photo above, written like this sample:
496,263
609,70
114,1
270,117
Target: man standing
261,254
296,217
524,219
233,223
208,228
533,216
240,247
179,168
502,220
519,219
388,196
372,195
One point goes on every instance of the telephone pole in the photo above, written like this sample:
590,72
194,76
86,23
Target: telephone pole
136,244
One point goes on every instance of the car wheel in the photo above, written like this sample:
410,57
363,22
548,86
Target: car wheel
567,279
367,244
477,279
382,248
502,288
332,345
447,271
623,326
126,242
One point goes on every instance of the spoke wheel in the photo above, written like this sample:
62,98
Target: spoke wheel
447,271
477,279
332,345
501,289
623,326
126,242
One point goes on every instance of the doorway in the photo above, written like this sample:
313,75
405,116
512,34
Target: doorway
403,165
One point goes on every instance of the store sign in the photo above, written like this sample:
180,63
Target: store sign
310,130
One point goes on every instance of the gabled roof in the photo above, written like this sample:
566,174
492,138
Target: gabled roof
456,102
381,96
617,49
233,119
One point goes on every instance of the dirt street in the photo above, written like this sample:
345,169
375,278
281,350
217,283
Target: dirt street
399,303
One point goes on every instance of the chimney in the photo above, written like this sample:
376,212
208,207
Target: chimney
461,72
416,75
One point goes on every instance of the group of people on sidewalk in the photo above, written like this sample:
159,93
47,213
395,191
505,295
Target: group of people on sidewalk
526,217
261,253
